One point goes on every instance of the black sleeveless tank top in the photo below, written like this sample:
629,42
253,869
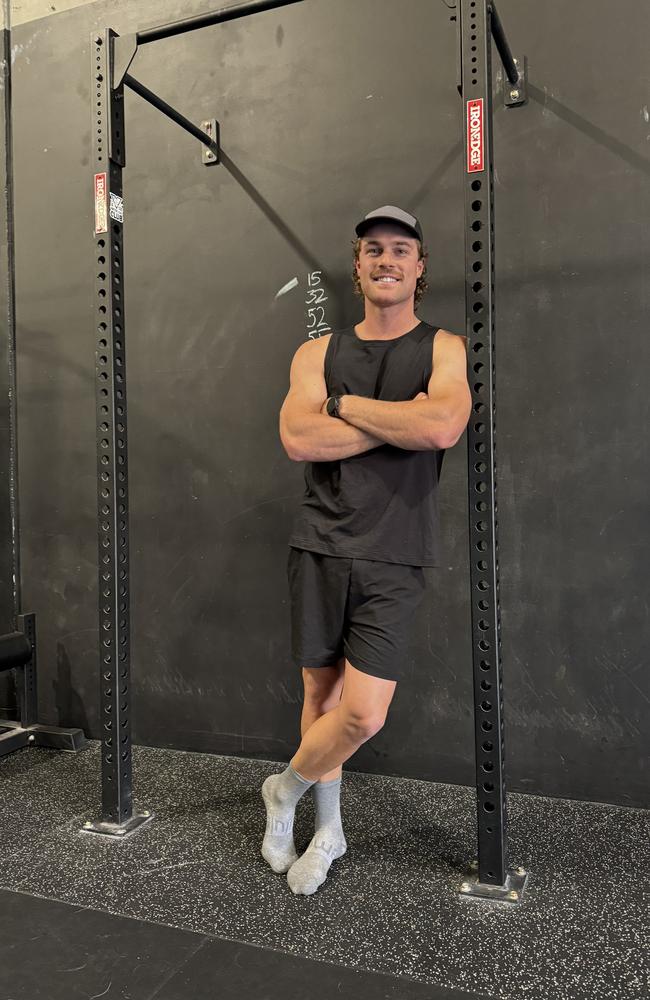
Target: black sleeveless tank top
383,503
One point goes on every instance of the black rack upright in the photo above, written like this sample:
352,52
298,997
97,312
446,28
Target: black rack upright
111,57
478,22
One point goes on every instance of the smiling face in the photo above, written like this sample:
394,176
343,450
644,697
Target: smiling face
389,264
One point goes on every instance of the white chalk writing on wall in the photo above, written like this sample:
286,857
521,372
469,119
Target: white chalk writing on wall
315,302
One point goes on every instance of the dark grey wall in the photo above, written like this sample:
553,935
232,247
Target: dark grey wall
9,573
328,109
6,594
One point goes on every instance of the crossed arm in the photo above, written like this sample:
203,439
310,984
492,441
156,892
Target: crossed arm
433,420
420,424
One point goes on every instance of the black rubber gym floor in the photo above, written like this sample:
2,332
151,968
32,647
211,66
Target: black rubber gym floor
57,951
210,918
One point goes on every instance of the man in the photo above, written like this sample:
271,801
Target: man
371,410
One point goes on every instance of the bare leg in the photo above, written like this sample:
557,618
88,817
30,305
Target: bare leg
337,735
313,710
327,744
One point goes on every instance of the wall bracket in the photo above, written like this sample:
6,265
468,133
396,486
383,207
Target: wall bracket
210,156
516,94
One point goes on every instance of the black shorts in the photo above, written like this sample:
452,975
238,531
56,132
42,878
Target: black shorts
362,609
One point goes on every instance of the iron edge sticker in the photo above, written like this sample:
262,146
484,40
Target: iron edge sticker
475,136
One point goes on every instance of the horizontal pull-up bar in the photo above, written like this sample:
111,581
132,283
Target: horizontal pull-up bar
172,113
213,17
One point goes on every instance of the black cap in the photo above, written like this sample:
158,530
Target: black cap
390,213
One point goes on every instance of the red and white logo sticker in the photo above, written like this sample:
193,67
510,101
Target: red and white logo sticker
475,136
101,204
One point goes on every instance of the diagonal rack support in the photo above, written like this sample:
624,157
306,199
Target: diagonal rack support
174,115
515,71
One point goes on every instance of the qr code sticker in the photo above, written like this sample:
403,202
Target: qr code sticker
116,210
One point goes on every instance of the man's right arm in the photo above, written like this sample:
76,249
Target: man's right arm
307,434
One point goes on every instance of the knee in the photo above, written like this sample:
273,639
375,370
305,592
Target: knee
316,703
320,704
363,726
323,689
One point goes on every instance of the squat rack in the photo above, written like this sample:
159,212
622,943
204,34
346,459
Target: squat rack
477,23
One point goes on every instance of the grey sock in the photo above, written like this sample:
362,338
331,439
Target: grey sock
281,792
327,844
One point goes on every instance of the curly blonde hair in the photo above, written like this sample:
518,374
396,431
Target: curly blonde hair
422,284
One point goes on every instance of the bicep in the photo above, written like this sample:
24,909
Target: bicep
307,389
448,383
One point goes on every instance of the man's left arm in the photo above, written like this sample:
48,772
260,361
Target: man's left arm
421,424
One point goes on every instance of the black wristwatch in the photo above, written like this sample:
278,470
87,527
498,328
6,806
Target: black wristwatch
333,406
